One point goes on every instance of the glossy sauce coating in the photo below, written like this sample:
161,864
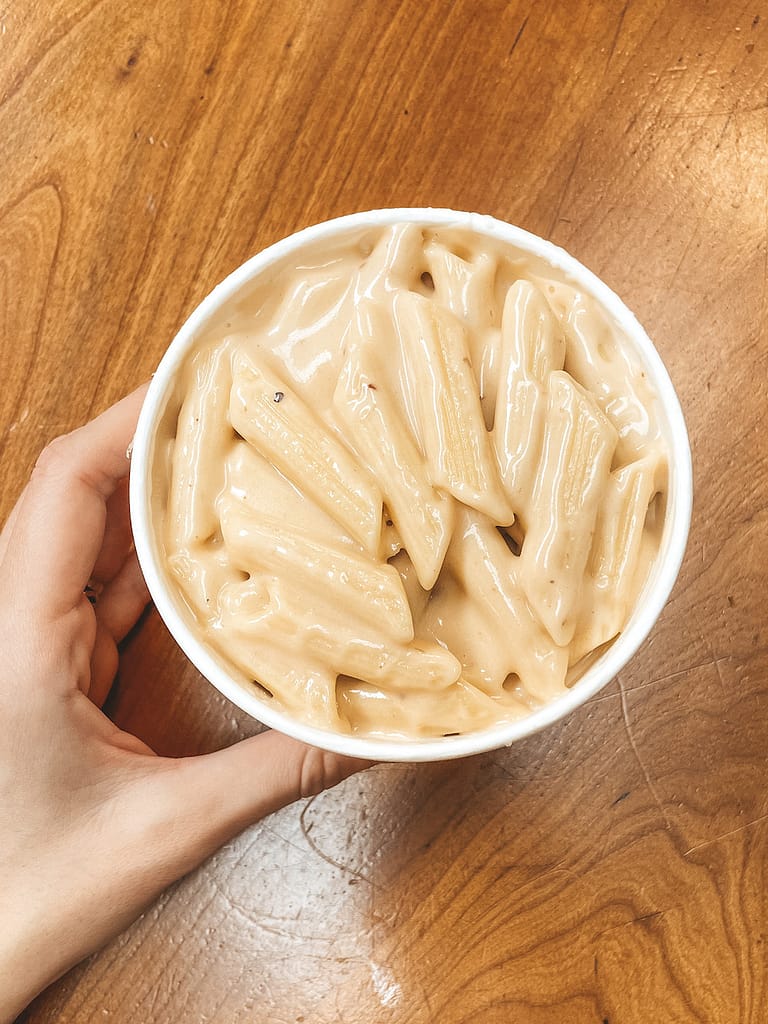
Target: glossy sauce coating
410,483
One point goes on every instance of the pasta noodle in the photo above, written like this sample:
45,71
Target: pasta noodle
415,481
616,550
272,418
202,432
258,544
573,473
532,347
449,415
482,569
422,515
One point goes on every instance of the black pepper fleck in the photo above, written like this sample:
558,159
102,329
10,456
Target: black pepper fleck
279,396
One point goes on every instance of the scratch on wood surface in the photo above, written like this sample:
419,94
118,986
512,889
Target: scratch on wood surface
638,919
427,1002
268,923
686,249
724,130
283,839
519,33
617,33
658,679
702,115
559,869
726,835
306,829
716,663
567,185
643,769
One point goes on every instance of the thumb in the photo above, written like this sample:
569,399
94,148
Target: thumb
198,803
165,818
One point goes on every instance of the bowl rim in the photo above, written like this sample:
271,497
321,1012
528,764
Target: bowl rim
612,660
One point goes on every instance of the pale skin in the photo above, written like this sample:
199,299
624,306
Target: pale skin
94,825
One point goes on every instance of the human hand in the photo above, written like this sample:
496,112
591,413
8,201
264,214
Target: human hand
94,825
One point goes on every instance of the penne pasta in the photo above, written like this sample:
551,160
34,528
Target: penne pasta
373,657
414,485
278,613
203,430
396,262
578,448
201,571
600,363
451,424
263,490
500,635
533,343
302,687
462,287
272,418
342,577
610,582
416,594
422,515
532,347
368,710
399,667
517,438
467,288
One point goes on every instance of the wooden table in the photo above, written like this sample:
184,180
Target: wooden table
614,867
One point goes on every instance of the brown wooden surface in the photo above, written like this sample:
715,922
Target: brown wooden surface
613,868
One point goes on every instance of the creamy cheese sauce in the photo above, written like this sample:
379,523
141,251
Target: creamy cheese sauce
411,483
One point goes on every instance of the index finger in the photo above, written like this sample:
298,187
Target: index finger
57,526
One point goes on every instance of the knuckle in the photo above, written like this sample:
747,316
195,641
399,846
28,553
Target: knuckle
319,771
53,457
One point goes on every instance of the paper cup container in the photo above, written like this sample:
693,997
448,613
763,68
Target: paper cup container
159,405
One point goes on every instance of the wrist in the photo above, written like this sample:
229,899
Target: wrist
44,932
30,959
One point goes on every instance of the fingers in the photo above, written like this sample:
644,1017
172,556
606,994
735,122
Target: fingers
104,661
209,799
117,609
122,600
59,526
5,536
118,538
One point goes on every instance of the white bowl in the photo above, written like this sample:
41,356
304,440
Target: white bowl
651,601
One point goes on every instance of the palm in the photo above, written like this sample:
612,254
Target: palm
94,824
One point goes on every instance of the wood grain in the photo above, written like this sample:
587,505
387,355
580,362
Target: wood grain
610,870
